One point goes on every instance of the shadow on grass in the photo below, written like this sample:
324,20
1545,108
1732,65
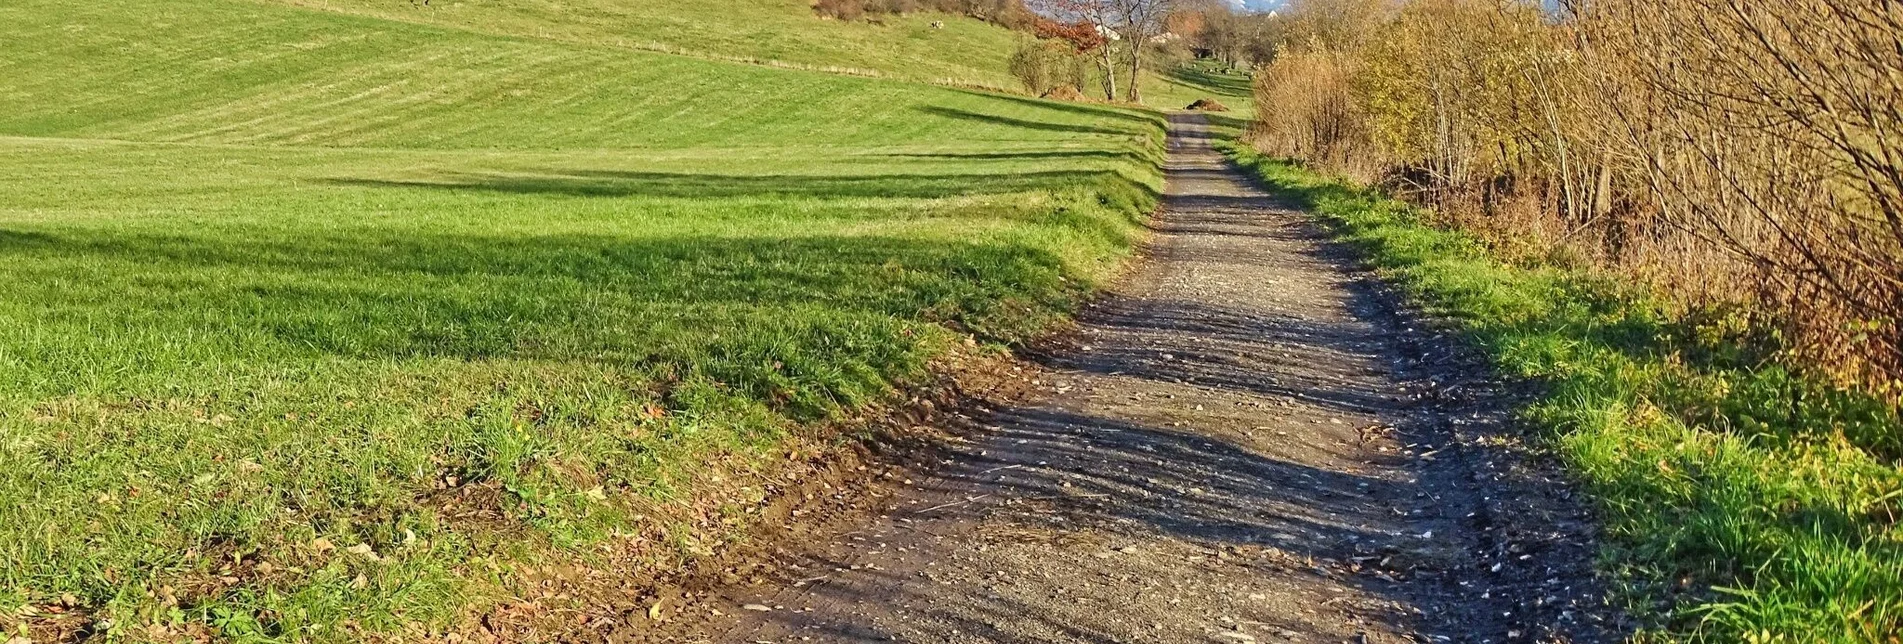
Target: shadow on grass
1025,156
838,315
1233,125
1148,121
1008,121
607,183
1209,79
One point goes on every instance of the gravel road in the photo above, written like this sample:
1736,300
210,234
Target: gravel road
1247,441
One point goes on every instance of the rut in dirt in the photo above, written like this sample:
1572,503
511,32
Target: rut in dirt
1247,441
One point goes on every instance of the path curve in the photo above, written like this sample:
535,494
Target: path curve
1243,443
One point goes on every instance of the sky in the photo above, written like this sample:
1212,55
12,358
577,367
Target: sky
1257,5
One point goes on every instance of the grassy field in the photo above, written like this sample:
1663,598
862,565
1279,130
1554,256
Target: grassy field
766,31
1739,503
784,32
1176,86
314,322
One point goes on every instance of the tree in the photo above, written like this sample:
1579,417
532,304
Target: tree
1102,18
1219,33
1140,22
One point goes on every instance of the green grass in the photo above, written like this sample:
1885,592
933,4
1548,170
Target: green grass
283,282
1172,84
765,31
1177,85
1739,503
227,71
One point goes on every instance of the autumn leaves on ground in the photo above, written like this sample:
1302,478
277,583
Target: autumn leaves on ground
337,320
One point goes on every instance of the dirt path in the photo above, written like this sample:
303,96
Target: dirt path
1244,443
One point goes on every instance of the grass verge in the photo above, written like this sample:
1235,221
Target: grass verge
1740,502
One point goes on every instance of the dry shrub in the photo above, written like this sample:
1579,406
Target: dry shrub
1011,14
1066,93
1044,66
840,9
1337,25
1305,109
1729,152
1208,105
1768,130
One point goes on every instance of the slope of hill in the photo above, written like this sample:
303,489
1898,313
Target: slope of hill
781,31
234,72
326,327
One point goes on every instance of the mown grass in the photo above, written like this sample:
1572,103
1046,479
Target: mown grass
1740,502
228,71
767,31
1179,84
314,325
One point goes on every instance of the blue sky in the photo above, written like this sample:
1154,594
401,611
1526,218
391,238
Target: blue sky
1257,5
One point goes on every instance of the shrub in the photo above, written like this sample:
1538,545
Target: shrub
1044,66
1010,14
841,9
1739,414
1208,105
1708,150
1065,93
1305,110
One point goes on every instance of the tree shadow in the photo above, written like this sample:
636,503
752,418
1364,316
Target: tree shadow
1202,78
1114,471
812,321
1149,121
1013,122
605,183
20,240
1025,156
1128,480
1231,349
1137,479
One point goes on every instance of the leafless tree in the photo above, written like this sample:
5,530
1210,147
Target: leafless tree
1140,22
1735,155
1102,16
